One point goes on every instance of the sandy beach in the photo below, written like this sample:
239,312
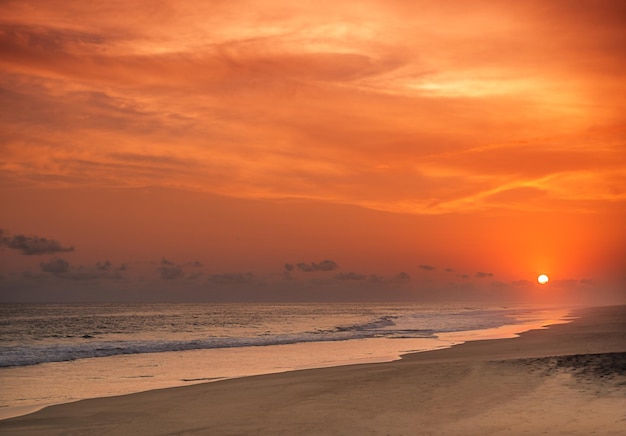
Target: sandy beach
568,379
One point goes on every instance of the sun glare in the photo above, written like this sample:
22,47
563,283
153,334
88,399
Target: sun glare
543,279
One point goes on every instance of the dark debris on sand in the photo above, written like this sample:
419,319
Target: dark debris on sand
610,367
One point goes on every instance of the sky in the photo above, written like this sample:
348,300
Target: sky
177,150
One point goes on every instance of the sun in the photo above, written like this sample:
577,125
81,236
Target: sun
543,279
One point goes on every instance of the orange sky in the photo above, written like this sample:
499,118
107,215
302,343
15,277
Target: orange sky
202,150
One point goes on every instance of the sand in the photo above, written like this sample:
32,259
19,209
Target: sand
567,379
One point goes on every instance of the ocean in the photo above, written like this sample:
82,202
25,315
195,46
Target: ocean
57,353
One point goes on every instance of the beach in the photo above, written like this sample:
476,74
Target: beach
567,379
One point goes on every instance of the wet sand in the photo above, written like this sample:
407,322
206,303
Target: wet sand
568,379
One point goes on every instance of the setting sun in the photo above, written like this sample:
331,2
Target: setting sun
465,137
212,180
543,279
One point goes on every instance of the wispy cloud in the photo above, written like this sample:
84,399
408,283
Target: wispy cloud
324,265
522,112
482,275
32,245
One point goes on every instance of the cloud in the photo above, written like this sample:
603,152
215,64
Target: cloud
55,266
32,245
427,267
482,275
61,268
449,270
402,277
101,270
59,69
170,272
325,265
398,279
289,267
350,276
103,266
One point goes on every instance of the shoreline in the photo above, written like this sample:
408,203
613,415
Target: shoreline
494,385
28,389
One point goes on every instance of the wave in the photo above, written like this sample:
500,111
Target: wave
400,325
22,355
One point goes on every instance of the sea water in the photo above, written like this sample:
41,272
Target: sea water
56,353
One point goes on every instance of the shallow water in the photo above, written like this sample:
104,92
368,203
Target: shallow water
203,343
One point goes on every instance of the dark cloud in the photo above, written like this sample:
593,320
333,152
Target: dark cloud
61,268
482,275
32,245
427,267
103,266
402,277
464,276
397,279
232,278
168,272
325,265
55,266
449,270
99,271
289,267
350,276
